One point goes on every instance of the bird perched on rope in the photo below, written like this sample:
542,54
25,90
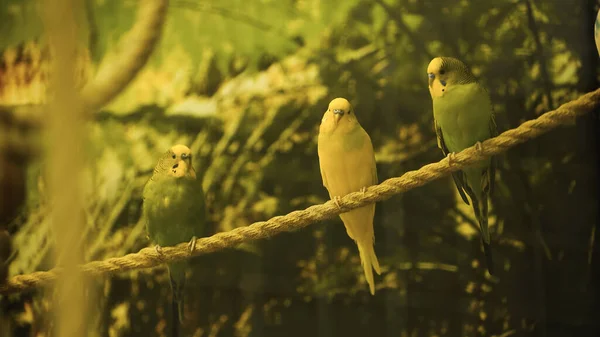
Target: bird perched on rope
347,165
463,117
175,211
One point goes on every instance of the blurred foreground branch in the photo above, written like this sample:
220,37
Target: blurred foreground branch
66,136
112,77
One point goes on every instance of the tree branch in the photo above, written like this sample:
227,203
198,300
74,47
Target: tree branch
540,54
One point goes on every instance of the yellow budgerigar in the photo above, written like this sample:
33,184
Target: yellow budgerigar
348,165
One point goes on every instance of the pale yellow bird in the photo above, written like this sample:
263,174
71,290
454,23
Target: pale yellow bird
348,165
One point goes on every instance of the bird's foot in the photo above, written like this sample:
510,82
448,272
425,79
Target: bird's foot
336,200
363,190
192,244
478,146
451,158
158,249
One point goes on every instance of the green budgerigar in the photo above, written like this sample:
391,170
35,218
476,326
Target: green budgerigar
174,210
463,117
347,165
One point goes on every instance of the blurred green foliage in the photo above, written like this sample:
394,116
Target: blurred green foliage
245,84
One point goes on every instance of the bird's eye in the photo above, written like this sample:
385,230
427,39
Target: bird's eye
174,156
442,72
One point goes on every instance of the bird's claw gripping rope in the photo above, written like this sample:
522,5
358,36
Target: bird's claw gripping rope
158,249
478,147
192,244
336,200
450,157
363,190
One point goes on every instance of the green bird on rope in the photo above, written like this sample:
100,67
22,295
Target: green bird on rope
175,212
463,117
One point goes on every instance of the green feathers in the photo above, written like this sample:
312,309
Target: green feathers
174,210
457,71
463,117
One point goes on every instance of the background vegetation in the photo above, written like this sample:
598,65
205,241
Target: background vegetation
245,84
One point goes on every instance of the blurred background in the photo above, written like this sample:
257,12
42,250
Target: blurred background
245,85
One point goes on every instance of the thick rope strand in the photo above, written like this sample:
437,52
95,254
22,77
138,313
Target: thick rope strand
149,257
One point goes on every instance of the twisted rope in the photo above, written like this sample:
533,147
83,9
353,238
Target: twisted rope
148,257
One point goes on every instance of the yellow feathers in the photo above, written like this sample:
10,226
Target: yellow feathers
347,165
181,156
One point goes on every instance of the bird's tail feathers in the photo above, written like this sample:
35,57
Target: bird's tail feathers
359,226
175,325
485,234
369,262
483,219
177,290
180,311
479,202
489,261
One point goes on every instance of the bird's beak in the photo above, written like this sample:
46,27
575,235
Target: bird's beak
189,168
337,115
183,164
182,168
